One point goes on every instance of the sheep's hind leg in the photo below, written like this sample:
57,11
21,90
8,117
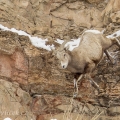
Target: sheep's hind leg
90,69
118,43
115,41
110,57
76,85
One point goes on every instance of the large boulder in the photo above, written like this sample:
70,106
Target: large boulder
111,12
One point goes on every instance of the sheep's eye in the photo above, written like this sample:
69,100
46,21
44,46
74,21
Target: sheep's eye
64,55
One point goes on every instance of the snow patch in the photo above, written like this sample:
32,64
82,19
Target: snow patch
41,43
7,119
72,44
38,42
114,35
75,42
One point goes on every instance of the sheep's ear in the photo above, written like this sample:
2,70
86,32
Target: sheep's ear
67,48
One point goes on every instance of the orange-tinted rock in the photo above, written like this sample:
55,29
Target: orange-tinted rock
40,117
14,68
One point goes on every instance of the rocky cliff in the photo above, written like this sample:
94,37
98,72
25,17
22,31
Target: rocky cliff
32,86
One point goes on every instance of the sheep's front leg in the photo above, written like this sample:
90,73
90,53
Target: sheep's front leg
94,84
76,85
90,69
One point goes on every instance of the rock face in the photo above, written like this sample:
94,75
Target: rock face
58,18
111,12
51,87
43,17
32,74
13,63
14,102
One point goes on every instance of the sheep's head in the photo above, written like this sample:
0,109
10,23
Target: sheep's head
62,55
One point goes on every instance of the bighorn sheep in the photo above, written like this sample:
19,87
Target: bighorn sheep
84,58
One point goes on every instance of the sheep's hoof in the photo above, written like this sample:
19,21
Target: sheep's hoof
113,61
75,94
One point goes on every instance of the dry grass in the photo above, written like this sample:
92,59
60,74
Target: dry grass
68,115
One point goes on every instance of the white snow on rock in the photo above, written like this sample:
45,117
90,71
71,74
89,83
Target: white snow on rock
41,43
72,44
75,42
116,34
7,119
38,42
